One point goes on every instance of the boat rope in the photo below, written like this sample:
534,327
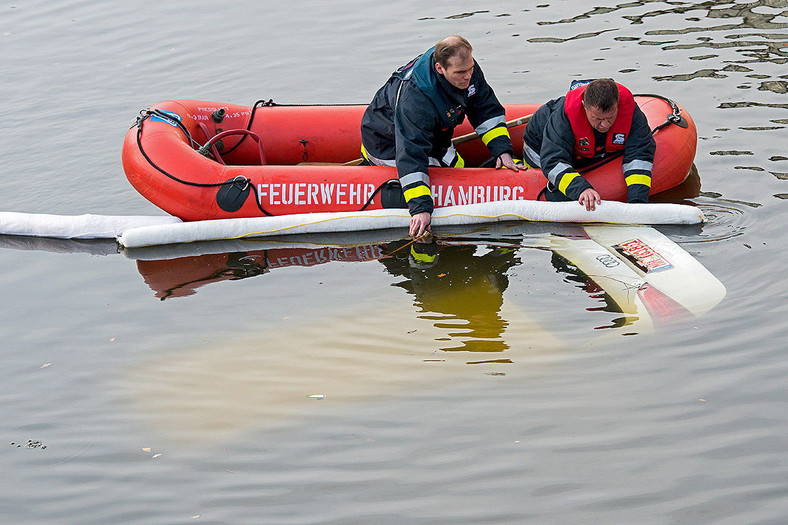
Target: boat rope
260,103
145,114
270,103
674,117
211,144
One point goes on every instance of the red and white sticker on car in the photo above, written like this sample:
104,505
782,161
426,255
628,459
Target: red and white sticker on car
643,256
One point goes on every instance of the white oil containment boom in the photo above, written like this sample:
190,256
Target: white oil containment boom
138,231
502,211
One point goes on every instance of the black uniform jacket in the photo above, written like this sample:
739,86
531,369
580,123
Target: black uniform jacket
411,120
549,144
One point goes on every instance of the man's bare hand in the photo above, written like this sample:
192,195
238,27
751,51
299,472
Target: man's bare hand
590,198
505,161
420,225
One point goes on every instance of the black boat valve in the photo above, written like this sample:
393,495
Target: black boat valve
218,115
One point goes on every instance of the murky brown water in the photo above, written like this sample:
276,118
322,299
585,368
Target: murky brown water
328,380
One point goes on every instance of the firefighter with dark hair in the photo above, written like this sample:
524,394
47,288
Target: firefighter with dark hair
593,120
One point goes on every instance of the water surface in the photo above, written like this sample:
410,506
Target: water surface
321,382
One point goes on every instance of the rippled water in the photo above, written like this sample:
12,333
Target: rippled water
326,380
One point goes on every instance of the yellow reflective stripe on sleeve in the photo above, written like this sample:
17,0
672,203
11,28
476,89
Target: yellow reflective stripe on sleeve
566,180
459,162
422,257
494,133
418,191
637,178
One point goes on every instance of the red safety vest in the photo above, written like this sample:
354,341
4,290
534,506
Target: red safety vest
584,133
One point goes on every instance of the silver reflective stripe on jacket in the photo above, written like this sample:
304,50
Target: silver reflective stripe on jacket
393,163
413,178
489,124
380,162
534,160
449,157
560,168
638,165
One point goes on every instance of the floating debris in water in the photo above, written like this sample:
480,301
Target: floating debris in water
30,444
316,396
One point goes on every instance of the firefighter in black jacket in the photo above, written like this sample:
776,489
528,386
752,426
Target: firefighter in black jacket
591,121
410,121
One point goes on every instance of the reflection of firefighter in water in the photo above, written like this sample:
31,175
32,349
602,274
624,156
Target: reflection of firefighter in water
459,288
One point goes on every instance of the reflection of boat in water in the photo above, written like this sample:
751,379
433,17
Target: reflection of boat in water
182,276
461,277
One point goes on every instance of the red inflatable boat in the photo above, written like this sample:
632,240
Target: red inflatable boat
204,160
